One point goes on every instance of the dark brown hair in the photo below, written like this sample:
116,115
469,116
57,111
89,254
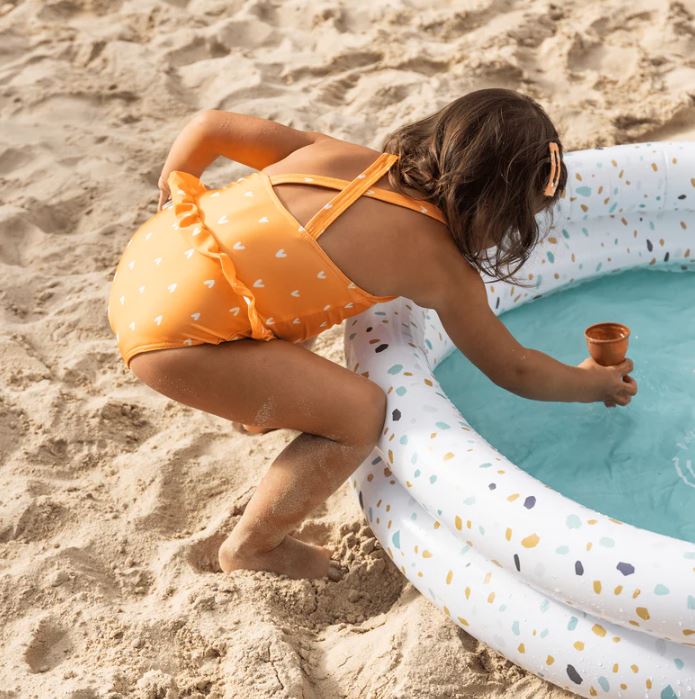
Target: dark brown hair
484,161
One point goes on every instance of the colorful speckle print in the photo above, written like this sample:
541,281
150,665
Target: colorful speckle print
590,603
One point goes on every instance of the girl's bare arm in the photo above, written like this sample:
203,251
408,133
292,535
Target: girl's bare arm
249,140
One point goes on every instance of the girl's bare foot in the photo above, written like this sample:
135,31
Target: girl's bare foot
291,557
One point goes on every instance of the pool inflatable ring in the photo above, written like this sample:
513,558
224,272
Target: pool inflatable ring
592,604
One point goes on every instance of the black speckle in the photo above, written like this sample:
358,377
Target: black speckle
360,498
396,415
381,348
376,461
578,568
682,196
517,563
369,329
650,247
666,256
529,502
492,486
625,568
497,303
574,675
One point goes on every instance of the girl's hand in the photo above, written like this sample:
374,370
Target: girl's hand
192,151
613,385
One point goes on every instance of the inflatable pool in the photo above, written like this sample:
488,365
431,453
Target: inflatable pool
590,603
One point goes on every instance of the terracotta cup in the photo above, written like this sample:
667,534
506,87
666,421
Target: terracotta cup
607,342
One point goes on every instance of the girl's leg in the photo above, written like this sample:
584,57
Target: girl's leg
277,384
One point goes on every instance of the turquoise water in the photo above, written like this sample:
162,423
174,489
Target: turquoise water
636,462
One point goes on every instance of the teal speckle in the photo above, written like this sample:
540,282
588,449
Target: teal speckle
572,625
469,501
428,343
396,369
573,522
661,590
396,539
668,693
584,191
550,256
678,663
598,266
585,232
433,479
605,684
607,542
691,602
487,464
404,439
544,633
417,473
401,390
515,628
544,605
413,516
613,208
442,425
562,550
566,233
690,555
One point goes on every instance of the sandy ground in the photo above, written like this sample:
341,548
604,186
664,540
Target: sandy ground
110,494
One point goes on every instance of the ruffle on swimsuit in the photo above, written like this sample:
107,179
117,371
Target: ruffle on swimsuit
185,190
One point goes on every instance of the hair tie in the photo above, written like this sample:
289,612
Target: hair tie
555,170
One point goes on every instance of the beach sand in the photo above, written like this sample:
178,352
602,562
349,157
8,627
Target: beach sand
113,496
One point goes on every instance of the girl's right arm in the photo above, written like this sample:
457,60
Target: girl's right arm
457,293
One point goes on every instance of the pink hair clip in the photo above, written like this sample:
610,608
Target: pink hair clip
554,178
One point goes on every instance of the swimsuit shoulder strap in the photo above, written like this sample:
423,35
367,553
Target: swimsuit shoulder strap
385,195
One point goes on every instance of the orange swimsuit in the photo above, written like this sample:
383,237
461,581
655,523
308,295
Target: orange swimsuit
225,264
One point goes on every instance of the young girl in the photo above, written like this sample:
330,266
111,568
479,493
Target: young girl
215,293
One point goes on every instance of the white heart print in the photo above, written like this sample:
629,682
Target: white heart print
158,320
141,289
195,316
258,284
348,305
209,283
223,219
239,245
321,275
234,311
131,264
189,253
281,253
172,288
248,194
131,325
122,300
263,219
296,321
295,293
157,260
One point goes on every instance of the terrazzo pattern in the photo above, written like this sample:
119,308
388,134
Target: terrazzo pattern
590,603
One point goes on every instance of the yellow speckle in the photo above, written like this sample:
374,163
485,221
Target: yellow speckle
688,632
449,577
408,484
491,598
623,685
513,497
592,692
521,648
616,639
578,645
642,613
530,541
683,224
636,593
487,578
618,589
549,660
469,524
654,167
446,610
419,573
390,456
598,630
467,592
634,668
616,667
426,554
552,239
591,521
508,534
387,472
648,684
436,525
597,587
449,455
462,620
457,522
427,382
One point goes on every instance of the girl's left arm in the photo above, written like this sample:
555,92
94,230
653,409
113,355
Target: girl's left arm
246,139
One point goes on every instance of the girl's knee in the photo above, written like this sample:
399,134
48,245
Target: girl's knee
368,416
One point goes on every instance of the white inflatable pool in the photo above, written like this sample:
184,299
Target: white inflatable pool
592,604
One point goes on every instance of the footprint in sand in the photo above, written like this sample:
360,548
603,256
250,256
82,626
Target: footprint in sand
48,647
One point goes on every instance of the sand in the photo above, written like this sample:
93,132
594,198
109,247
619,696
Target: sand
111,495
